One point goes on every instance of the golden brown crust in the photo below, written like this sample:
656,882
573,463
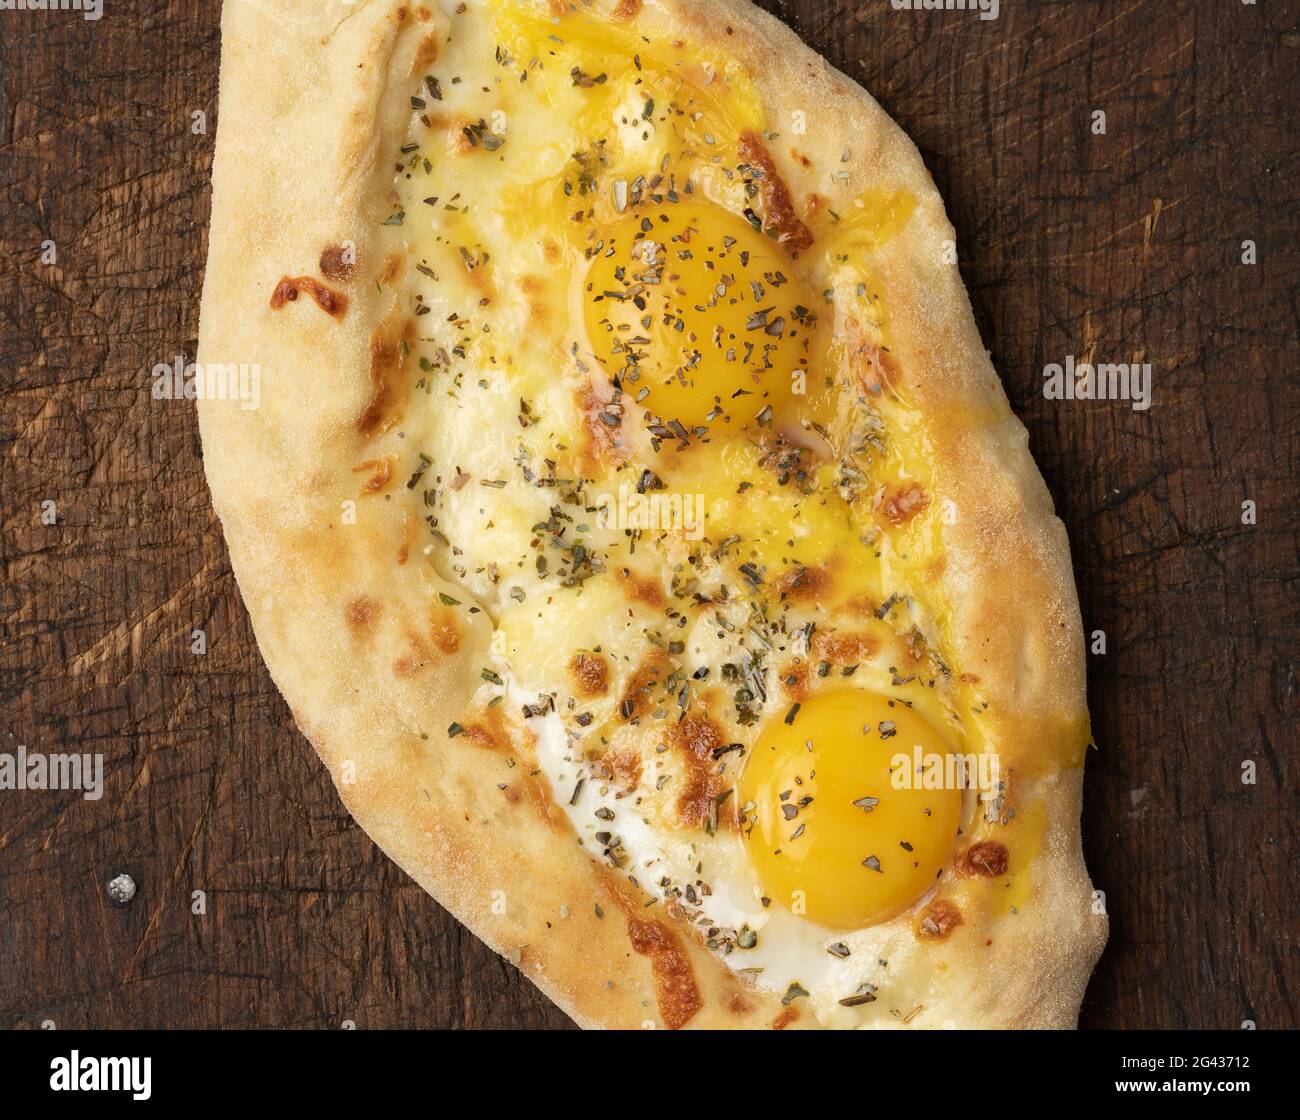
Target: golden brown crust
938,920
298,175
590,673
779,215
288,289
676,995
696,738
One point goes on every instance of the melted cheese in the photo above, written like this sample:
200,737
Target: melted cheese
610,336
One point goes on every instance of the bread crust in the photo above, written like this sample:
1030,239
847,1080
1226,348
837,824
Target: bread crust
313,101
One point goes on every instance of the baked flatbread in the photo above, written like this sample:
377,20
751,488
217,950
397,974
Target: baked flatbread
632,518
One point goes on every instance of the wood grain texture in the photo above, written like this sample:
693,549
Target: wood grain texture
1071,243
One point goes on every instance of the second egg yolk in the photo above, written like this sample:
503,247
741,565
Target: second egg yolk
830,834
698,316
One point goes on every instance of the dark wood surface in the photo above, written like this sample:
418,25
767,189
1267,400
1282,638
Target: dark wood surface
1072,243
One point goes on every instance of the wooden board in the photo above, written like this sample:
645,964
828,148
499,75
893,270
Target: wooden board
1072,243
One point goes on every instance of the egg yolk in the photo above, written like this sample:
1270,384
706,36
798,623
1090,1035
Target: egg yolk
829,833
698,316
